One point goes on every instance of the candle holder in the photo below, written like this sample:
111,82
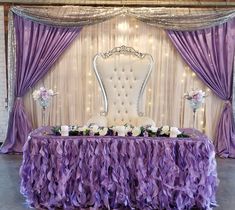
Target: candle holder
64,130
44,104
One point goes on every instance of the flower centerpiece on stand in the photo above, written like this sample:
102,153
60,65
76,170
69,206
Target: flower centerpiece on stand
43,96
195,98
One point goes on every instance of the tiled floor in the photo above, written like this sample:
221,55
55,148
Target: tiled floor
11,199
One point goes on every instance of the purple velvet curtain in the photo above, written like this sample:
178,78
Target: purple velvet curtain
38,46
210,53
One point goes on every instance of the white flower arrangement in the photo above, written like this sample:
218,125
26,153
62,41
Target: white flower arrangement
165,130
103,131
123,130
83,128
174,132
43,96
95,129
136,131
153,129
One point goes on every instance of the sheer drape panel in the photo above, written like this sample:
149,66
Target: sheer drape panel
38,46
79,95
210,53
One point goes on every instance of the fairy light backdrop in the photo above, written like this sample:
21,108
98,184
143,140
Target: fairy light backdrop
79,93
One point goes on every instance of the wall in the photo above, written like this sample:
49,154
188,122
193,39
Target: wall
3,90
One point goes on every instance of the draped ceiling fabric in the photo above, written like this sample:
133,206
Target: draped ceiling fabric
71,16
210,53
168,18
38,46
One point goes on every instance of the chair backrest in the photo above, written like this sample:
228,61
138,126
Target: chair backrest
122,74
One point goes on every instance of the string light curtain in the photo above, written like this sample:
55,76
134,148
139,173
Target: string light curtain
170,18
79,94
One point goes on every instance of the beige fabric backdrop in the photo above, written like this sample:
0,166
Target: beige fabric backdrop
80,97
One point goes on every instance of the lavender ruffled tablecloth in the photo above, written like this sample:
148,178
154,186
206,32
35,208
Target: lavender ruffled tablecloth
142,173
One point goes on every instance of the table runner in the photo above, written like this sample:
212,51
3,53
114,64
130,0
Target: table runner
112,172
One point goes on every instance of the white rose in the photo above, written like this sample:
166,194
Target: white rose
50,92
136,131
95,128
42,89
83,128
36,94
128,128
165,130
174,132
154,129
103,132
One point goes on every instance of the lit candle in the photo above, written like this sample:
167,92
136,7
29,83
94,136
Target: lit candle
64,130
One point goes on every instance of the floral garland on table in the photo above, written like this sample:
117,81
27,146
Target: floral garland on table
125,130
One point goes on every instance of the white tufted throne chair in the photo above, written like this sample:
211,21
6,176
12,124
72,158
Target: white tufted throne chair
122,74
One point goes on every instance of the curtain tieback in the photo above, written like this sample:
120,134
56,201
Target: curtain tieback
227,102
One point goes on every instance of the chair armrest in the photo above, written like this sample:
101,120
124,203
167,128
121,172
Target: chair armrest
144,121
98,120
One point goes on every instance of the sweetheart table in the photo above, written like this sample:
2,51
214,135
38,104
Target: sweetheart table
114,172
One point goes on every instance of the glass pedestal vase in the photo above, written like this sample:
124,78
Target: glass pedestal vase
44,104
194,121
43,116
194,106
